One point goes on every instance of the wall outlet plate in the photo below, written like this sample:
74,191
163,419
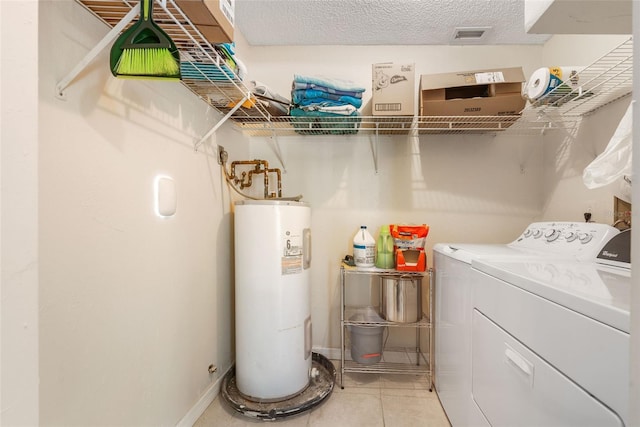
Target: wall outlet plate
222,155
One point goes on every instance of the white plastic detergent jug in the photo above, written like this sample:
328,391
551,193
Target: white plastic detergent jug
364,248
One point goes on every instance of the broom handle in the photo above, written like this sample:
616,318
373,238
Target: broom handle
147,6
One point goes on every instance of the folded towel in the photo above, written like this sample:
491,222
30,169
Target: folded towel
299,112
303,86
333,83
319,122
343,110
306,97
323,102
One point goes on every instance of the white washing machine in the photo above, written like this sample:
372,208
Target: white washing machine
550,340
454,300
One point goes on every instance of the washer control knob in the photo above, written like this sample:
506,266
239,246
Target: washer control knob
552,235
537,234
527,233
570,236
585,238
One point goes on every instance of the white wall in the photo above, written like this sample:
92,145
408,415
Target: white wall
276,65
567,154
465,188
476,188
19,220
133,308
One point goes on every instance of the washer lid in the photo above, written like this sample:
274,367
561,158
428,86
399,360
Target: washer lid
600,292
466,252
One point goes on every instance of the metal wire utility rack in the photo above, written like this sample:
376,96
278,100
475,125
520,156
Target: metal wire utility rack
402,125
603,82
211,79
606,80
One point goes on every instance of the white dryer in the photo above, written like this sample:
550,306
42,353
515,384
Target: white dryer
454,300
550,341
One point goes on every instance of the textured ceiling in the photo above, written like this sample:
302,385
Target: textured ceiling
379,22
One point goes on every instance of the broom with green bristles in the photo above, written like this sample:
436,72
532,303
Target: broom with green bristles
145,51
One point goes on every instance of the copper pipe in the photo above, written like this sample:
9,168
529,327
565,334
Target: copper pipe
260,167
278,179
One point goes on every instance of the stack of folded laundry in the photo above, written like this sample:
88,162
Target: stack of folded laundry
325,105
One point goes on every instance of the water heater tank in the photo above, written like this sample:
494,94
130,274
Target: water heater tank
272,298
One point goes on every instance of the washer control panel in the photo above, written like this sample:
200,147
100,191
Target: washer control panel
572,239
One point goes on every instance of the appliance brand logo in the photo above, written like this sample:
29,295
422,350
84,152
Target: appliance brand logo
609,254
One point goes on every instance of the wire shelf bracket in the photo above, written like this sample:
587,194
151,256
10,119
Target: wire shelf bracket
221,121
277,150
375,146
91,55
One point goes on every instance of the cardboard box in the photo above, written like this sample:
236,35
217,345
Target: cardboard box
493,92
213,18
393,88
213,34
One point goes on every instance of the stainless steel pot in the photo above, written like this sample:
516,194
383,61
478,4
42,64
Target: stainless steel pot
401,298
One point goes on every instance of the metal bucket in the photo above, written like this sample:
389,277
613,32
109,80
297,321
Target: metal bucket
401,298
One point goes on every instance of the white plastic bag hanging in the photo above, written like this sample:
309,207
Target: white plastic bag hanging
615,160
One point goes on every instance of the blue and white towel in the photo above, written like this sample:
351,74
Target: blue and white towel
331,83
304,86
325,105
312,96
343,110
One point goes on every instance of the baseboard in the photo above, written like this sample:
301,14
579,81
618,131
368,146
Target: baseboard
198,409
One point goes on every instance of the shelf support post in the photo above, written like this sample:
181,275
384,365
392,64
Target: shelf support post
374,149
107,39
222,120
415,127
342,301
277,150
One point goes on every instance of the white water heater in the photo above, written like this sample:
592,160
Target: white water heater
272,298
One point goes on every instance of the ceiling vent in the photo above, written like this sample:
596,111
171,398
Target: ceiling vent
470,34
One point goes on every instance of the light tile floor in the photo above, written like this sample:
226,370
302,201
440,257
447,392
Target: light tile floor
369,400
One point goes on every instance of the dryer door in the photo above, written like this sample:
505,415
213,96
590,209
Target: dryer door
514,387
